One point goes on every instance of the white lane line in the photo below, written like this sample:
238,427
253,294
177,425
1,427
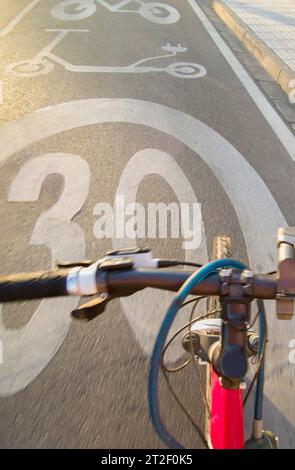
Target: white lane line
272,117
18,18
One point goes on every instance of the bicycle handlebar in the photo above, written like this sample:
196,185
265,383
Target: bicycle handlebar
36,285
125,272
119,283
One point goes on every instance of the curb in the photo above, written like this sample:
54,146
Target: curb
277,69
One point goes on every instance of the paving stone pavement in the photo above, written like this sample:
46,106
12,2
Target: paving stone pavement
273,21
255,15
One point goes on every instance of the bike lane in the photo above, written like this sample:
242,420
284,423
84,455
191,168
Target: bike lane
230,156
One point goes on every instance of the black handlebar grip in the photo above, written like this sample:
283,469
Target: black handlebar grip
38,285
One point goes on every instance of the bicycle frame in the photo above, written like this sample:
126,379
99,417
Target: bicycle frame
225,423
226,428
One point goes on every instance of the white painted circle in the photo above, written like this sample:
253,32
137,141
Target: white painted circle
81,9
29,68
186,70
152,11
145,310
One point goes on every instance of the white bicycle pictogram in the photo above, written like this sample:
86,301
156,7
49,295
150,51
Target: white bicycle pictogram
43,63
75,10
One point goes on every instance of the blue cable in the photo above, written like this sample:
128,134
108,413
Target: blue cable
155,364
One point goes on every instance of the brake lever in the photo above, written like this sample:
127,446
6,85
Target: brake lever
91,309
73,264
113,261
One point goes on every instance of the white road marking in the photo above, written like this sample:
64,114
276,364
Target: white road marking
40,65
18,18
82,9
145,310
29,349
234,173
257,211
272,117
151,11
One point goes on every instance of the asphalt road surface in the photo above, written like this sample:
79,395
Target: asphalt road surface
84,117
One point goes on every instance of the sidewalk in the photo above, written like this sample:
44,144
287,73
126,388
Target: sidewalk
267,29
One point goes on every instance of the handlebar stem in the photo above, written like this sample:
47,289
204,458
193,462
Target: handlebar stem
230,358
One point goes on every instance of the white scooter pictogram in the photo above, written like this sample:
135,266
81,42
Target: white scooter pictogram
43,63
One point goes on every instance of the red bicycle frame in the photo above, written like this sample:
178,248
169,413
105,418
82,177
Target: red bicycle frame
226,427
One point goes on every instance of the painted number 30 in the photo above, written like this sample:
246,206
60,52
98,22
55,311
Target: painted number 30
26,351
40,339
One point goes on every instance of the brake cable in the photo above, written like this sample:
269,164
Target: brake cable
166,370
155,365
